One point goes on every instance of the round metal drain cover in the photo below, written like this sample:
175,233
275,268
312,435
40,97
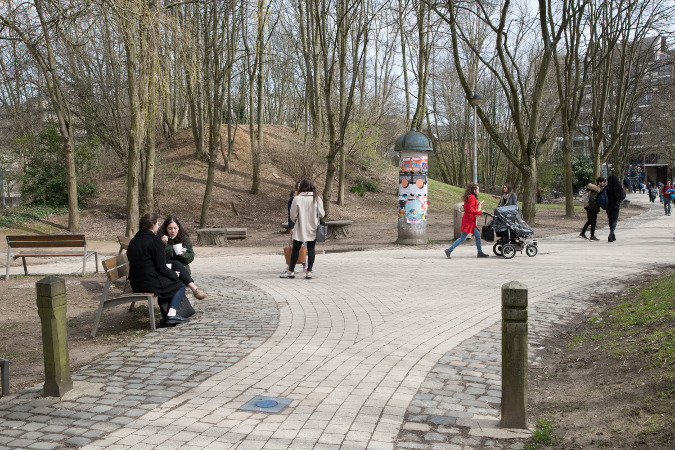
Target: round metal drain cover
266,404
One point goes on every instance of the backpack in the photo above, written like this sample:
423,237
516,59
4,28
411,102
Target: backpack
603,200
586,198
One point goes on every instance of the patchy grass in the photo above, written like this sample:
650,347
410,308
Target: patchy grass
542,435
619,371
21,214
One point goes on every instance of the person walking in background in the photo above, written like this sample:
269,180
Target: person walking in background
667,192
472,209
660,186
592,209
653,192
291,224
508,198
538,194
615,195
306,209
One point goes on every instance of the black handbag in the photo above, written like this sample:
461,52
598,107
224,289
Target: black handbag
321,228
487,233
185,308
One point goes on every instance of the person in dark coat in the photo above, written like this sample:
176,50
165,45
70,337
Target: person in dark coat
615,195
148,271
171,232
592,209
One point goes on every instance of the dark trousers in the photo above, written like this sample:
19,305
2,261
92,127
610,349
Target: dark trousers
592,220
183,272
613,217
311,254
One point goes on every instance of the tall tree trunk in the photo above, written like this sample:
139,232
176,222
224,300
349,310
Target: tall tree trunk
133,161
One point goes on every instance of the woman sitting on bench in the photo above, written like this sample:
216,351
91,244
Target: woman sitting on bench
172,234
148,271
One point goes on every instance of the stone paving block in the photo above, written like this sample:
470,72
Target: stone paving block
43,445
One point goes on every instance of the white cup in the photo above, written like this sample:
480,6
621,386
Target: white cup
178,249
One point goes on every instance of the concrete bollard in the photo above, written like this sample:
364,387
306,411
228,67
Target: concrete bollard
51,302
514,355
457,220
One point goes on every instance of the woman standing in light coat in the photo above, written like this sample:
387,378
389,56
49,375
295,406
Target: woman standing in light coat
305,211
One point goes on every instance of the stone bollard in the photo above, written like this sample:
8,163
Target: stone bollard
514,355
51,302
457,220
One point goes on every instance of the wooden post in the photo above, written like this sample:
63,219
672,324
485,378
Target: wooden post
514,355
51,302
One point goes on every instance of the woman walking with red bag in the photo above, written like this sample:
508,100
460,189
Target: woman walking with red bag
472,209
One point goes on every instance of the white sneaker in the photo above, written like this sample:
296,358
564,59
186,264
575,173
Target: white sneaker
287,275
308,275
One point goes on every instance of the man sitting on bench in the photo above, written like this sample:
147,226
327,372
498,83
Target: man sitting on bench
148,271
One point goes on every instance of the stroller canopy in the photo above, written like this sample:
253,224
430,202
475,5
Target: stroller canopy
510,217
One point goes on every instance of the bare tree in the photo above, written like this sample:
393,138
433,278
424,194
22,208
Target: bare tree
621,70
38,25
521,76
332,27
220,40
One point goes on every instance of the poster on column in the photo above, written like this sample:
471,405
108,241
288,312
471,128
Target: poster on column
412,187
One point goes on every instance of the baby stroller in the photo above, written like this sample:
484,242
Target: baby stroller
508,225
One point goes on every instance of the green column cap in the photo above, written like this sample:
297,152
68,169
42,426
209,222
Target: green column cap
50,286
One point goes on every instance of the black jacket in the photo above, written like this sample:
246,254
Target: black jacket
147,266
615,197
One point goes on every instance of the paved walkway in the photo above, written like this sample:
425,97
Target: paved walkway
395,348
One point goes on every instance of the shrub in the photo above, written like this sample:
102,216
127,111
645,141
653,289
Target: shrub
44,179
362,185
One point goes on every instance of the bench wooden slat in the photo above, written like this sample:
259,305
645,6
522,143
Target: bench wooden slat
47,237
45,254
45,244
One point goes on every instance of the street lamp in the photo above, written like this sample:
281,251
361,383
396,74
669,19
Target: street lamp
477,99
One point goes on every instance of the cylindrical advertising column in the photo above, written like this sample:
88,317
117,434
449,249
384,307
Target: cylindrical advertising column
413,203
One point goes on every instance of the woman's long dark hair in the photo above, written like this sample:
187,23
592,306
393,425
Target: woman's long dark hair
180,237
307,185
613,189
469,190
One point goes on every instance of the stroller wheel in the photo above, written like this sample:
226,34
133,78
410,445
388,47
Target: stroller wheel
508,251
531,250
497,249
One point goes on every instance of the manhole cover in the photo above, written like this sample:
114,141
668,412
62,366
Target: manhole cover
266,404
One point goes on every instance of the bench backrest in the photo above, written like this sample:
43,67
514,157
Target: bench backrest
124,241
51,240
116,267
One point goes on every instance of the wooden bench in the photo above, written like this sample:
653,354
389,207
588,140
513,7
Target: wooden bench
337,229
116,268
219,236
48,241
124,243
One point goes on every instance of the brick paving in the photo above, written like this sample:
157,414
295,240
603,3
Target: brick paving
394,348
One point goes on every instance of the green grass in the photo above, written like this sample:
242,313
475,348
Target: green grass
641,324
638,329
443,197
543,435
21,214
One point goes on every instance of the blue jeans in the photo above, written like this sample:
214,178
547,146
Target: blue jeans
463,237
177,297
